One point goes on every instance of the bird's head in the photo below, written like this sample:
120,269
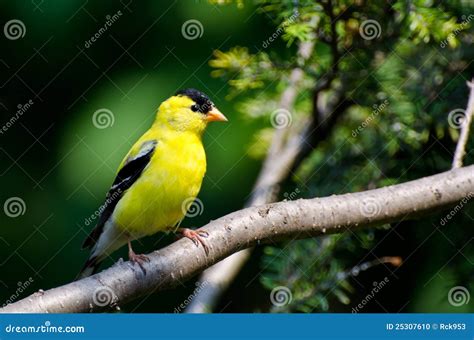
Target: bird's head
188,110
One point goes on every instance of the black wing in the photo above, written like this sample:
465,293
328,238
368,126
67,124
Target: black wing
125,178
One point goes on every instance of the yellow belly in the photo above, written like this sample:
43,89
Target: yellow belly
157,200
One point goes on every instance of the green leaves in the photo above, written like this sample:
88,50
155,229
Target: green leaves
298,32
426,21
401,65
246,71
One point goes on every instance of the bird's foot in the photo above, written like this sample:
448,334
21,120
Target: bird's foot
139,259
196,236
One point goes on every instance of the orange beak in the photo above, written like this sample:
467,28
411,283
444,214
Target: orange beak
215,116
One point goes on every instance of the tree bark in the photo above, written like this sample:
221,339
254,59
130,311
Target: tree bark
245,228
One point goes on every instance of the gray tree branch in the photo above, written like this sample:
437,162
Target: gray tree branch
302,218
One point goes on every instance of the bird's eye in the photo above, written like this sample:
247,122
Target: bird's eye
195,108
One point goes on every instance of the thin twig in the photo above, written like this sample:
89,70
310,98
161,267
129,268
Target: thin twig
465,126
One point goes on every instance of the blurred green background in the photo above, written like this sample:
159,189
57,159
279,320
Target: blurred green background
61,165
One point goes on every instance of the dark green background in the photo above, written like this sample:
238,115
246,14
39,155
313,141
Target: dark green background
61,165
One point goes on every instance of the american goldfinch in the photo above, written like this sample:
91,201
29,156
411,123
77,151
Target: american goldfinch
163,170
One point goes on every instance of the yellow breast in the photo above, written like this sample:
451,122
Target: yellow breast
157,200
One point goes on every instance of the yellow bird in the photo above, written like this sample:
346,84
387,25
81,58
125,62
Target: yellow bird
163,170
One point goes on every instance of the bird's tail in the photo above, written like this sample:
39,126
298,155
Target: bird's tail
90,267
109,240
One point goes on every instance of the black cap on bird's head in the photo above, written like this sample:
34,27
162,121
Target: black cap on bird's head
202,104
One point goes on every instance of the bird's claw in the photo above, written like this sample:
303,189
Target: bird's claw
196,236
139,259
202,233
